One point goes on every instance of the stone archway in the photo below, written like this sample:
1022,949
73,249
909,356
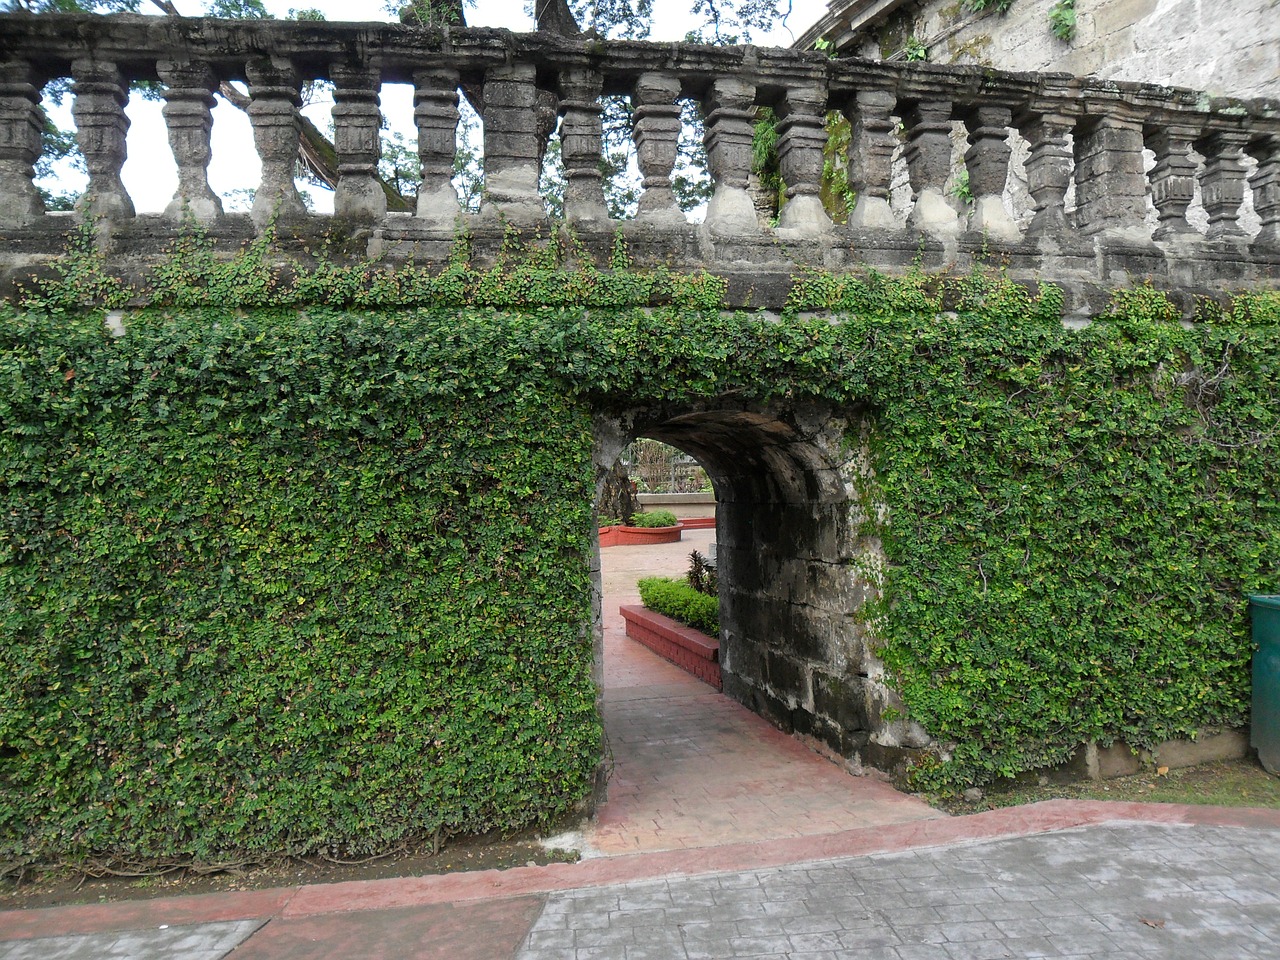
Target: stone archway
800,557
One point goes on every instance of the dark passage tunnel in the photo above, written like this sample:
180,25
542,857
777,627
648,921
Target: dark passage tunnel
799,558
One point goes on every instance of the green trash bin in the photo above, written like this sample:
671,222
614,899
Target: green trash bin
1264,730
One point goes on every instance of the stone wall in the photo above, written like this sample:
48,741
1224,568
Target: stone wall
1230,48
1224,47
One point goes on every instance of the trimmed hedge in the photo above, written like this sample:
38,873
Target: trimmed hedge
679,601
1075,520
655,518
285,582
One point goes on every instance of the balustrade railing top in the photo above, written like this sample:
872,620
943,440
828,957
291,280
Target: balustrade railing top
1093,203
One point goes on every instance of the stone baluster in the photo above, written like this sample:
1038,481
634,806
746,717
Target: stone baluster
730,115
273,111
1222,182
581,143
1173,178
656,131
1048,168
356,120
21,121
928,155
871,146
188,102
802,135
1111,184
987,162
101,125
435,112
1266,189
511,155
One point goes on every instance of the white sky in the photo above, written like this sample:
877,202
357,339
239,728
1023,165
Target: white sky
151,177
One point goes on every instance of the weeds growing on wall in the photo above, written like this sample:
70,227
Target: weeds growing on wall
308,568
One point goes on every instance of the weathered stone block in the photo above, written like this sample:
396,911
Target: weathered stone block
788,679
841,699
742,658
1210,746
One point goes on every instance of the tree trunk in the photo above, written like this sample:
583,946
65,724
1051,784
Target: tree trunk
554,16
618,501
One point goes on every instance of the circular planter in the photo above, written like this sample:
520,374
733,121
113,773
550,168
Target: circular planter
620,536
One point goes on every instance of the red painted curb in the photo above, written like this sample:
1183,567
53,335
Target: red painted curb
318,899
139,914
1042,817
699,523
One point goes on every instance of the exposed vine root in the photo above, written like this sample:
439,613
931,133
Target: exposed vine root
377,856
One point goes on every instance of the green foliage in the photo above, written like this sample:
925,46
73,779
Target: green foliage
655,518
426,13
837,195
237,10
977,6
364,617
765,163
702,576
283,580
674,598
58,146
530,272
960,188
80,277
280,581
71,6
1075,520
914,50
691,180
1062,19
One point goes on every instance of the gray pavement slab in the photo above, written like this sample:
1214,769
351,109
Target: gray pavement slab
1126,890
202,941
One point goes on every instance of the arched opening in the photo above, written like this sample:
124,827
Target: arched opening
798,556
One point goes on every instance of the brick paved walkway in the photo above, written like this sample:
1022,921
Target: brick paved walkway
692,768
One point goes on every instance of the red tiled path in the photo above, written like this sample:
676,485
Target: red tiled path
692,768
479,930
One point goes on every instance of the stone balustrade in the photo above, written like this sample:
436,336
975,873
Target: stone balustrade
1096,216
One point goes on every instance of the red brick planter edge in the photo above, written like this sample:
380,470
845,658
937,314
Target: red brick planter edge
688,649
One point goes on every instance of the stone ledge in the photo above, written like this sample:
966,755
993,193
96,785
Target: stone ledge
698,523
1094,762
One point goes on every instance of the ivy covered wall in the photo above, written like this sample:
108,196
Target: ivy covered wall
276,582
1076,518
283,577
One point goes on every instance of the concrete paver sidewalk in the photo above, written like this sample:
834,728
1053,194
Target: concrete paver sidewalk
1116,891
